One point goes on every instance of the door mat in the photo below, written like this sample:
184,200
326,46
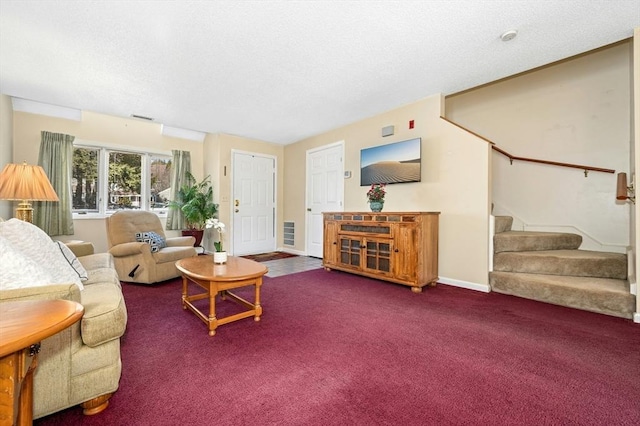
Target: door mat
273,255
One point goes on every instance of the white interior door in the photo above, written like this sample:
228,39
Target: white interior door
253,206
325,191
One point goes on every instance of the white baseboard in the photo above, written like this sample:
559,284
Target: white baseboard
465,284
636,317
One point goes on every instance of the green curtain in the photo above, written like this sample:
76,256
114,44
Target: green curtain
56,158
180,166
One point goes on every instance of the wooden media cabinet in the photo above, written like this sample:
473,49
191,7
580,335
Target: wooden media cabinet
397,247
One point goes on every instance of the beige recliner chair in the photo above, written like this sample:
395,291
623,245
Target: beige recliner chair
135,261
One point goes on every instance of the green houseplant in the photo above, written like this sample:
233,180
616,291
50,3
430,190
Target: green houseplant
195,200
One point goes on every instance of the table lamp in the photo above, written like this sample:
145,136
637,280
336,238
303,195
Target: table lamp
25,183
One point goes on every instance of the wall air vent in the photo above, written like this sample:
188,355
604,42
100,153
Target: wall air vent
289,233
141,117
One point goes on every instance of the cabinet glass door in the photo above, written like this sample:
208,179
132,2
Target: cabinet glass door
350,251
378,256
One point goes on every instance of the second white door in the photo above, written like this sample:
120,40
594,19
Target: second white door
325,189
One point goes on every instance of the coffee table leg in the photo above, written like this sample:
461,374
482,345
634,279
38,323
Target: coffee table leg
213,321
258,307
184,292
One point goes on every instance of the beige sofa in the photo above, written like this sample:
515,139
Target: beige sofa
134,260
81,364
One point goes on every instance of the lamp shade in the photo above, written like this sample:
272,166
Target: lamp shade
25,182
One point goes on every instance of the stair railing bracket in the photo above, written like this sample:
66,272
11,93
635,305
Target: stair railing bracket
625,191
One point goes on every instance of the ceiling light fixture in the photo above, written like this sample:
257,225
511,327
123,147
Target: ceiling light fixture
509,35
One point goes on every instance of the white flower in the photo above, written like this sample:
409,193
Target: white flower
218,226
215,224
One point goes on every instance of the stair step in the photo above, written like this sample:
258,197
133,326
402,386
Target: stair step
579,263
503,223
602,295
534,241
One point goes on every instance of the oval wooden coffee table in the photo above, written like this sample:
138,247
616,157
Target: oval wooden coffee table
214,279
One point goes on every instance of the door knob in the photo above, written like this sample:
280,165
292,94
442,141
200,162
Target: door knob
237,203
237,210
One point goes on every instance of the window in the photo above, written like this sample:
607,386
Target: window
160,182
105,180
84,183
125,181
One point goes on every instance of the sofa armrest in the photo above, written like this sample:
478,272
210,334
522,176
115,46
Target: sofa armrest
80,248
105,311
130,249
47,292
181,241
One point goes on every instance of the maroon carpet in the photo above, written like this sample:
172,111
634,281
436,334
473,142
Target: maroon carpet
338,349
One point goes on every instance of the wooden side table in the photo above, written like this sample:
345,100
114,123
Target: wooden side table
23,324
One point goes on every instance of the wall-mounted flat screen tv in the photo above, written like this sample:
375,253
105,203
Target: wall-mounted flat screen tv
396,162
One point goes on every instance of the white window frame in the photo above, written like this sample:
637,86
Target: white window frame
103,178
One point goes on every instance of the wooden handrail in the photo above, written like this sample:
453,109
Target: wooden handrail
467,130
586,169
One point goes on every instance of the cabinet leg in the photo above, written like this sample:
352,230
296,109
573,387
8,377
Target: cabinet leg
416,289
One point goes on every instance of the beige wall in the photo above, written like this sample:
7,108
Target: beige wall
577,111
6,146
108,131
455,176
218,150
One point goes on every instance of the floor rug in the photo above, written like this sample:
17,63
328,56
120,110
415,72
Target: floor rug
273,255
333,348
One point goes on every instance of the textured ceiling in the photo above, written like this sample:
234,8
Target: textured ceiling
280,71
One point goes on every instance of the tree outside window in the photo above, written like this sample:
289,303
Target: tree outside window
125,180
160,175
85,179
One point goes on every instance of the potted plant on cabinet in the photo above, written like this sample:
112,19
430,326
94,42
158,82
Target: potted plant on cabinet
195,200
375,195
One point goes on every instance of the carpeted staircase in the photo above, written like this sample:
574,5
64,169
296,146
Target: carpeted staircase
549,267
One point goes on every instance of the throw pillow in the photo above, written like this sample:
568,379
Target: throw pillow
34,243
153,239
72,260
18,270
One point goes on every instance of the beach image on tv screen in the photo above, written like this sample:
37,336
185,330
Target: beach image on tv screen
392,163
